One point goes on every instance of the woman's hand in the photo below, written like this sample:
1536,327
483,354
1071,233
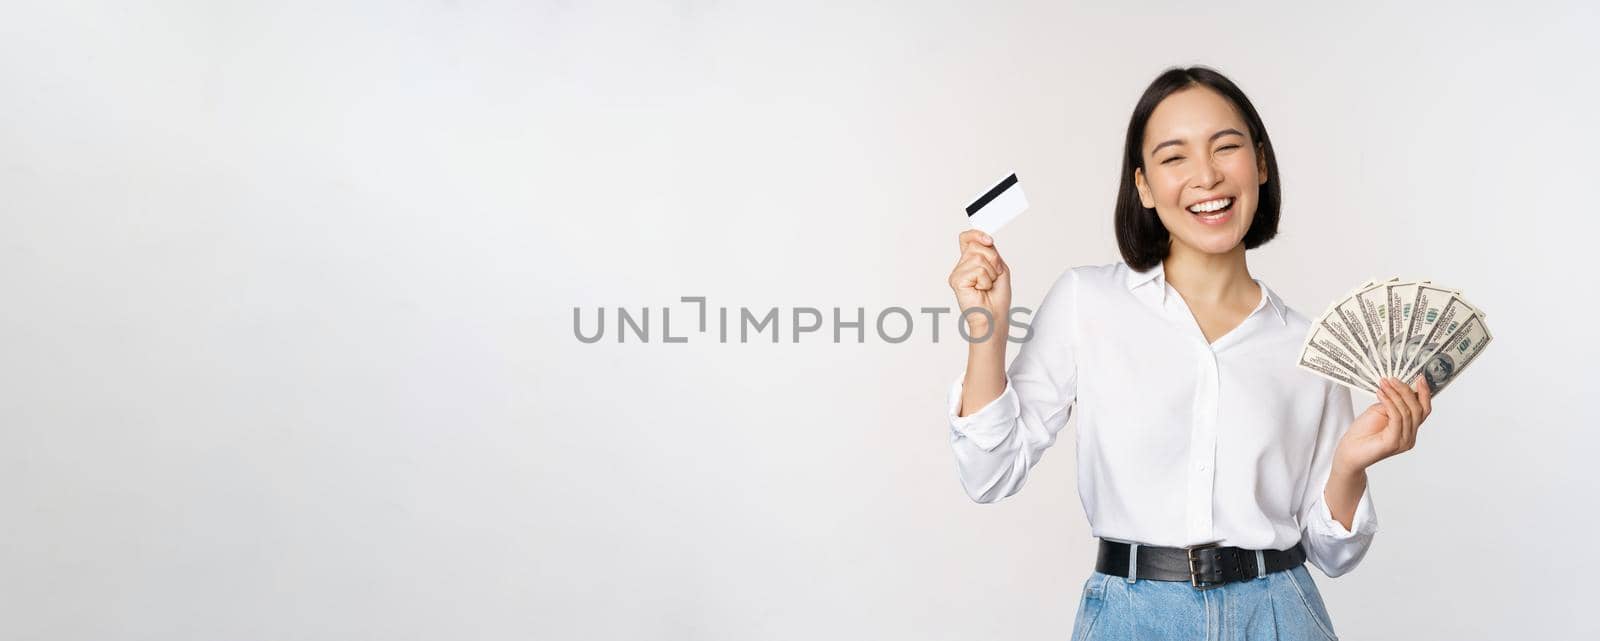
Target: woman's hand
1387,428
981,279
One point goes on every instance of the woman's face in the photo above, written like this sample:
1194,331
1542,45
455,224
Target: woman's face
1197,151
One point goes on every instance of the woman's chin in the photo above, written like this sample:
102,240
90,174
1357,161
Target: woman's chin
1213,243
1210,238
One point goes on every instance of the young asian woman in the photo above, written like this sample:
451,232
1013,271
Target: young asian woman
1211,469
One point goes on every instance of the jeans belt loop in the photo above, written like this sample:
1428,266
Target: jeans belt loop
1133,562
1261,563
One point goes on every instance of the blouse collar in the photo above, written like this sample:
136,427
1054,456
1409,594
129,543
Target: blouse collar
1158,276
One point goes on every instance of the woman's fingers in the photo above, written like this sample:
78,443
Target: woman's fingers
1413,408
1410,397
1388,392
974,241
973,236
979,268
974,261
1409,407
972,273
988,255
1425,396
1393,405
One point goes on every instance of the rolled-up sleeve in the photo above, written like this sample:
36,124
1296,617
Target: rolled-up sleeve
1329,545
997,445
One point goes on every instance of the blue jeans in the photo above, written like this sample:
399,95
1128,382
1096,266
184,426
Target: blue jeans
1280,605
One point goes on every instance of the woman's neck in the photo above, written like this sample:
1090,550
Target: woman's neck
1210,279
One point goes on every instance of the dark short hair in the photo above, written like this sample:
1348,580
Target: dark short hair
1144,241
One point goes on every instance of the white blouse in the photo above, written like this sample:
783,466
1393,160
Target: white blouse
1179,442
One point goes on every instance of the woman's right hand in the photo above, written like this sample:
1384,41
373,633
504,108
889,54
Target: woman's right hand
981,279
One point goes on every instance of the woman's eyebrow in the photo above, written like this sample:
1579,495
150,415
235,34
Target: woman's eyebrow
1214,136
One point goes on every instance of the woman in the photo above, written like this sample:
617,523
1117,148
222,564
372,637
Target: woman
1210,467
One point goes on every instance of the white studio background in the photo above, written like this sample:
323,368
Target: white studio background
287,352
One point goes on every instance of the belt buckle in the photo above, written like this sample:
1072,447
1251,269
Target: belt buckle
1194,576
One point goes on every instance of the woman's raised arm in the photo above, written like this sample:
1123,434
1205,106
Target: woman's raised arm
1001,421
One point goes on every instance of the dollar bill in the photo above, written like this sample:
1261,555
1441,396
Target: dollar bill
1361,333
1455,311
1323,355
1343,336
1402,295
1428,303
1372,303
1321,365
1444,365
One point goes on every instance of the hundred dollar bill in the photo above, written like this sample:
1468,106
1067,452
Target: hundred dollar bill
1320,365
1343,337
1362,333
1401,296
1372,304
1425,308
1455,314
1446,364
1322,354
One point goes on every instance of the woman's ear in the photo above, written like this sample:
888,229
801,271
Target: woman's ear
1144,189
1261,163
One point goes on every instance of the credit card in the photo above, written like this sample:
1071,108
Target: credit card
998,206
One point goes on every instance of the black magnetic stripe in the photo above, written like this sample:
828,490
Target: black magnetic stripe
993,194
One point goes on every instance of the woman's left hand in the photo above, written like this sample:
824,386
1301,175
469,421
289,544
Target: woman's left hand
1388,427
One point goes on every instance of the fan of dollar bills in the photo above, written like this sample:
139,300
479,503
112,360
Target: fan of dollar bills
1399,329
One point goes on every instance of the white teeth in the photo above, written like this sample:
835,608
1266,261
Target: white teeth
1210,205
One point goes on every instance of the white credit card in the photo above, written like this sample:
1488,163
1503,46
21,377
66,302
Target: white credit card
998,206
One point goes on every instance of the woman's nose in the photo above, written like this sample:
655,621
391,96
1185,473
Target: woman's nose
1209,176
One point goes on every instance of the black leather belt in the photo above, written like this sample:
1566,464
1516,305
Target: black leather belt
1204,566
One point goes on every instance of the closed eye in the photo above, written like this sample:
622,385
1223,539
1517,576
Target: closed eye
1222,148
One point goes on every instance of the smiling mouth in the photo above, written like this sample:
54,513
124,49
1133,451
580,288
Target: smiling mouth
1212,210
